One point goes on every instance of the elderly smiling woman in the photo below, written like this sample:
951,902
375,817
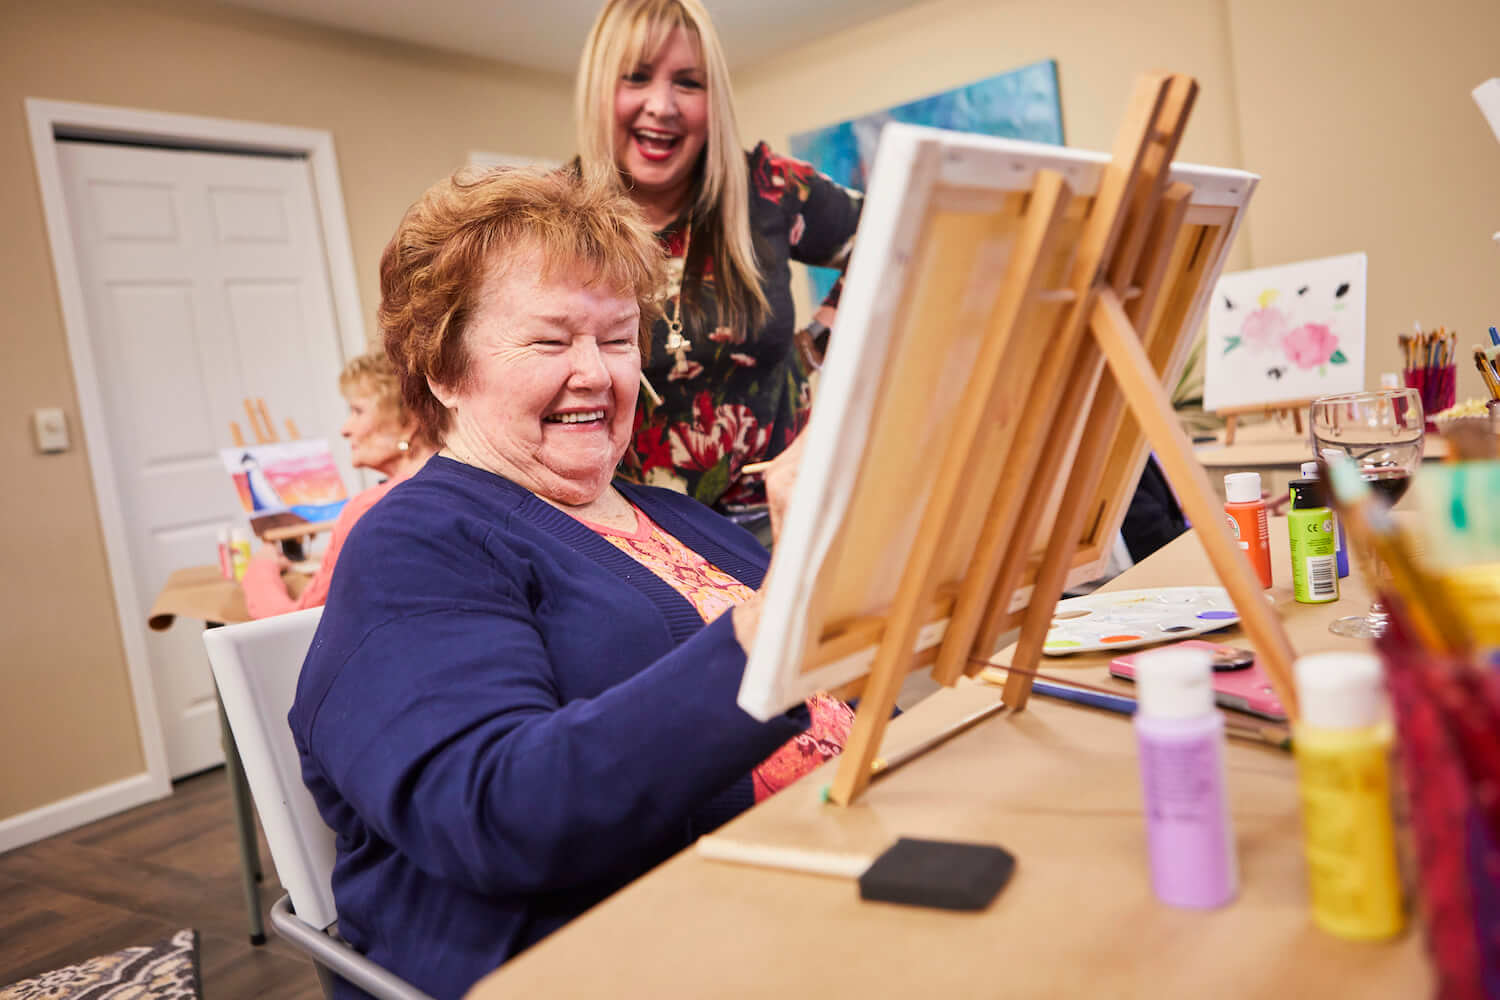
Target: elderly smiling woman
522,693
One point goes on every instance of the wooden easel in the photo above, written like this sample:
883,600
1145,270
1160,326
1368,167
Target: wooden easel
265,433
260,425
1231,415
1111,292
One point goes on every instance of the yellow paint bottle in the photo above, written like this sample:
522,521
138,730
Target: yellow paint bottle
239,553
1343,744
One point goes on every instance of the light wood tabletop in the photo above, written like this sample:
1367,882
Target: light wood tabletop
203,594
1058,786
1274,443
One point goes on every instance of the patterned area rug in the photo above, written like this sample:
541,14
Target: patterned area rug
167,970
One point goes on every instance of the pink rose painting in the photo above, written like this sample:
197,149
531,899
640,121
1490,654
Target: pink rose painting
1264,329
1287,333
1312,345
1267,331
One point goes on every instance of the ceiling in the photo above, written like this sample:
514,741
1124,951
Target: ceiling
547,35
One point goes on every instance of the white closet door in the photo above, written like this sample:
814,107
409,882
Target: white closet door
205,283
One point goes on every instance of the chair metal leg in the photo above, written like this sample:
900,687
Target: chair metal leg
244,822
326,980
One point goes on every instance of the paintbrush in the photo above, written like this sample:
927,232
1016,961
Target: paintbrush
1079,693
1367,520
1486,373
1484,360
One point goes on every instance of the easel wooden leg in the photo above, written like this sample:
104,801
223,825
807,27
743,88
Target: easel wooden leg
1079,502
1132,371
1229,423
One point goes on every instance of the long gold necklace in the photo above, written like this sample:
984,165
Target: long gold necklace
675,340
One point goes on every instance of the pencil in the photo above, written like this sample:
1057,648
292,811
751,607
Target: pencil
881,766
754,468
651,392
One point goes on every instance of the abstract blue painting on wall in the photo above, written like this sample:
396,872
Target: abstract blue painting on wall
1021,104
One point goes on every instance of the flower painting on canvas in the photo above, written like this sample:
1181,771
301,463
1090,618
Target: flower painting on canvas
1280,334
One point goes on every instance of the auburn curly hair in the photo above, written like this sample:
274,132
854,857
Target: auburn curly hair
448,243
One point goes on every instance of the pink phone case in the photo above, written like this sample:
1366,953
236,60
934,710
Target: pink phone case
1245,690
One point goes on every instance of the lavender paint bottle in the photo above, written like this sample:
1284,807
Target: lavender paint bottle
1181,740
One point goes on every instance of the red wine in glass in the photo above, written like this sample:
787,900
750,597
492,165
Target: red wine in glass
1389,482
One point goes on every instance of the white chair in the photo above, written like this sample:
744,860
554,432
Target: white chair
256,666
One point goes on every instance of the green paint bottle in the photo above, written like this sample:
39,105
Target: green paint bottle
1310,527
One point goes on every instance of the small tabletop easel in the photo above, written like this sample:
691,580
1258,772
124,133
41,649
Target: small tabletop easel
289,535
1004,308
260,425
1231,414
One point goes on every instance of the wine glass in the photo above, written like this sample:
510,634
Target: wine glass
1382,432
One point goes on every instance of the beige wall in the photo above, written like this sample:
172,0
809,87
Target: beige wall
1100,46
400,117
1357,114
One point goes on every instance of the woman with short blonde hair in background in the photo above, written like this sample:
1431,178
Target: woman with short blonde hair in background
382,436
655,117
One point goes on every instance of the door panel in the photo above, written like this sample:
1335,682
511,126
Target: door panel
205,283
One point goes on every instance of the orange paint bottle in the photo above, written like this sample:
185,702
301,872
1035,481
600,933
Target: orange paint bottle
1246,513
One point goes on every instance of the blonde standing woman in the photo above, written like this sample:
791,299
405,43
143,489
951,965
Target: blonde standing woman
655,117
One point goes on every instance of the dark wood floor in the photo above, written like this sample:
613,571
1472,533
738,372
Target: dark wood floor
138,877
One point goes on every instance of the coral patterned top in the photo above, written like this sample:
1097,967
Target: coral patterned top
711,591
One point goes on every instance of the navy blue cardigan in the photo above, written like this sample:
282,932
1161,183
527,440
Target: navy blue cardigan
504,718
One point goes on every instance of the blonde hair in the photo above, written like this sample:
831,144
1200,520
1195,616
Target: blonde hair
448,243
372,373
625,34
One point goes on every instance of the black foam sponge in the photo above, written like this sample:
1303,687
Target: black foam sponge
939,873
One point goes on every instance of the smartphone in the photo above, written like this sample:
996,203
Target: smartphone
1239,683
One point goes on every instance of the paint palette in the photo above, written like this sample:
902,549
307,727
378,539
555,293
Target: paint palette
1125,619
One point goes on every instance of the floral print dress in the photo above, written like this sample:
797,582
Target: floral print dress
727,401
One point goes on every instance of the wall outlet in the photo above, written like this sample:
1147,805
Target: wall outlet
51,429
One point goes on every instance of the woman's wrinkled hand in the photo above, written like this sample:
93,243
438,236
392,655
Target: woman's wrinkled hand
781,480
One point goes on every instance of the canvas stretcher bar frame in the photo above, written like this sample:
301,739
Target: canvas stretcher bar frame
942,499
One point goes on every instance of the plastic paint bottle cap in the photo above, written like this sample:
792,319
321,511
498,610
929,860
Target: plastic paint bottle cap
1309,470
1174,684
1242,487
1340,690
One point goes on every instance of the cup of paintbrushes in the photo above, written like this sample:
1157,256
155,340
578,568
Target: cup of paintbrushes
1437,385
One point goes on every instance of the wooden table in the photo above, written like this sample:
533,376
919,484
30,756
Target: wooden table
199,592
1277,452
1058,785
